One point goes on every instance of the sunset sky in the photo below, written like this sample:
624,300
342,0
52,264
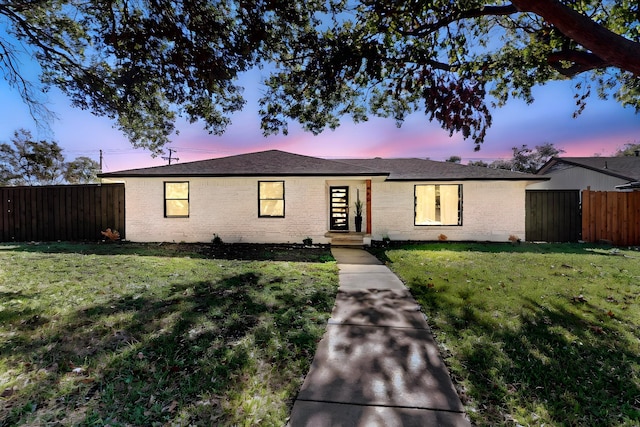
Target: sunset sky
602,128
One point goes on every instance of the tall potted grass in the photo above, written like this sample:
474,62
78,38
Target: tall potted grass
358,217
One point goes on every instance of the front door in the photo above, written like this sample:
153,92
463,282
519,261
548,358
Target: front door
339,210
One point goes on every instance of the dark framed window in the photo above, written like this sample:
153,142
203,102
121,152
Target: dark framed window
176,199
437,204
271,199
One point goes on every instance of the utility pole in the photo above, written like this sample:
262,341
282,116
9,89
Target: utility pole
171,151
100,160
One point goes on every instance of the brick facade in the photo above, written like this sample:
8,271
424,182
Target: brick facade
491,211
228,207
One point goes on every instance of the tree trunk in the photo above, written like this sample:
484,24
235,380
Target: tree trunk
616,50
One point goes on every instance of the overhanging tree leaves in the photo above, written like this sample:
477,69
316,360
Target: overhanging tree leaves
452,60
146,62
143,63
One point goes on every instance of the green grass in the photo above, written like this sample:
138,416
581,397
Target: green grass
147,335
533,334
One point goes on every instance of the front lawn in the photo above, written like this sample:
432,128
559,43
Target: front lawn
533,334
147,335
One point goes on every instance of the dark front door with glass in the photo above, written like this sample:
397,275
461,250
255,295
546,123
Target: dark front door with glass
339,215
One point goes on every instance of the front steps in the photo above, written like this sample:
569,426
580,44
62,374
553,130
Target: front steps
346,239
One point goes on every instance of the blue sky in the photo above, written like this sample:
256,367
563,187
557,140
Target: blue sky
603,127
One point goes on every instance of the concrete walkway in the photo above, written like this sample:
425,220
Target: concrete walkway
377,364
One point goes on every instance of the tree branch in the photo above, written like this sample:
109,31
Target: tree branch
429,28
9,62
36,36
613,48
582,61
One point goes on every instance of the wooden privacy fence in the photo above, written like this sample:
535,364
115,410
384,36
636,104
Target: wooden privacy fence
612,216
60,212
552,215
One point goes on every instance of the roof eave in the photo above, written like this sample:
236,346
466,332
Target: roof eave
471,179
244,175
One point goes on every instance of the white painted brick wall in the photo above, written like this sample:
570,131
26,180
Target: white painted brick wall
228,207
492,211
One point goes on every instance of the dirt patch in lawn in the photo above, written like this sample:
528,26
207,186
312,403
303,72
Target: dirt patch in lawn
258,252
230,251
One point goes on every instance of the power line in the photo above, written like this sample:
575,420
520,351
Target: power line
171,151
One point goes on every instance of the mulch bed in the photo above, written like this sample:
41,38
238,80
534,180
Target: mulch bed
257,252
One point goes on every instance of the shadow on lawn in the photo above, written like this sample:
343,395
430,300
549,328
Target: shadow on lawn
215,352
492,247
590,379
231,251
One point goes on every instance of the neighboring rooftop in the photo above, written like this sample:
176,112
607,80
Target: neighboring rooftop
627,167
281,163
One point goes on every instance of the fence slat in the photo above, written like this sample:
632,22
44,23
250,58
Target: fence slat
635,216
4,215
22,200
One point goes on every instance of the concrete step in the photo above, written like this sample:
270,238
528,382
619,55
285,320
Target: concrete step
351,240
346,244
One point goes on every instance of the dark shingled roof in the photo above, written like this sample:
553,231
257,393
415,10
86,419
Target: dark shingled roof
627,167
280,163
263,163
422,169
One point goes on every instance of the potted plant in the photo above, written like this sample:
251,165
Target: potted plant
358,218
